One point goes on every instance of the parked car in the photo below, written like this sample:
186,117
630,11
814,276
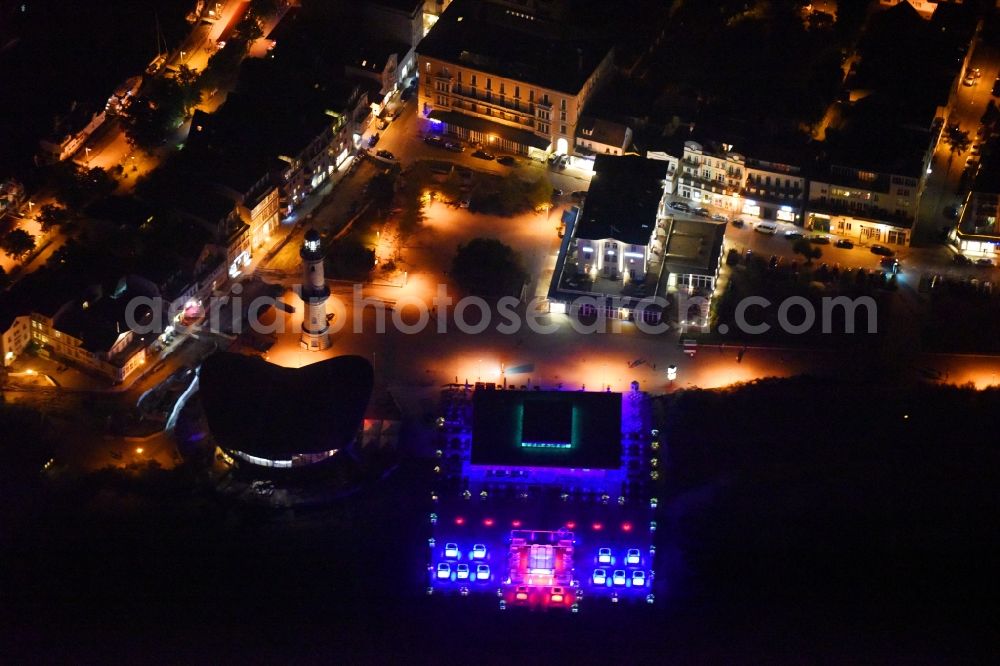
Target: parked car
373,140
556,192
891,264
976,72
719,217
792,234
579,195
454,147
969,80
386,155
483,155
819,239
382,123
679,205
738,223
766,228
984,262
702,212
434,140
506,160
882,251
844,244
960,260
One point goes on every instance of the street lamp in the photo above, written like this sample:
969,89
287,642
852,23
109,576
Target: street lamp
671,372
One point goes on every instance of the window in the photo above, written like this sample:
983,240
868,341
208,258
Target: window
427,67
442,86
545,100
517,92
531,96
562,129
442,100
562,104
543,128
489,84
473,80
501,88
459,76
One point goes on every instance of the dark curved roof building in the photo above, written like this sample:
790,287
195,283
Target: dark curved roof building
271,416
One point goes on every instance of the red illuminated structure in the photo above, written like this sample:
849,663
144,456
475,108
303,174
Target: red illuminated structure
540,569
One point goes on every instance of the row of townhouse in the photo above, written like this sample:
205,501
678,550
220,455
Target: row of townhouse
870,206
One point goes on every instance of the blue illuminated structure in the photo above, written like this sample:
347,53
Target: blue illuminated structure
525,519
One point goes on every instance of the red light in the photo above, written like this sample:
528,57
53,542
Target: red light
570,525
597,526
521,596
515,523
488,522
627,527
460,521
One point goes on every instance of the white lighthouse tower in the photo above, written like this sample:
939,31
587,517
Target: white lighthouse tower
315,327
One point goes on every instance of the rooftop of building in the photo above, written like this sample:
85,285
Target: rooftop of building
623,199
275,413
873,137
694,246
602,131
496,40
99,319
409,7
565,429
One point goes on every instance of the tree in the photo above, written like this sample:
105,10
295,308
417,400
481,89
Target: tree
487,267
806,249
52,215
958,142
350,259
540,193
159,109
17,243
76,187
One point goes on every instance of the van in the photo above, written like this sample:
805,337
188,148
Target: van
766,227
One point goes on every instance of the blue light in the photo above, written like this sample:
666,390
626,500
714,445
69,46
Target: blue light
478,551
638,578
462,571
451,550
633,556
483,572
604,556
600,577
546,445
444,570
618,577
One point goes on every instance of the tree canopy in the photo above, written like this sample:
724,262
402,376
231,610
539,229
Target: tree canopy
487,267
17,243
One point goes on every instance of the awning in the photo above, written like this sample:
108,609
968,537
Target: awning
523,137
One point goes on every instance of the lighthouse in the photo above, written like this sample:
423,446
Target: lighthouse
315,327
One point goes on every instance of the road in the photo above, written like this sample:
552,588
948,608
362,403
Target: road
941,189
